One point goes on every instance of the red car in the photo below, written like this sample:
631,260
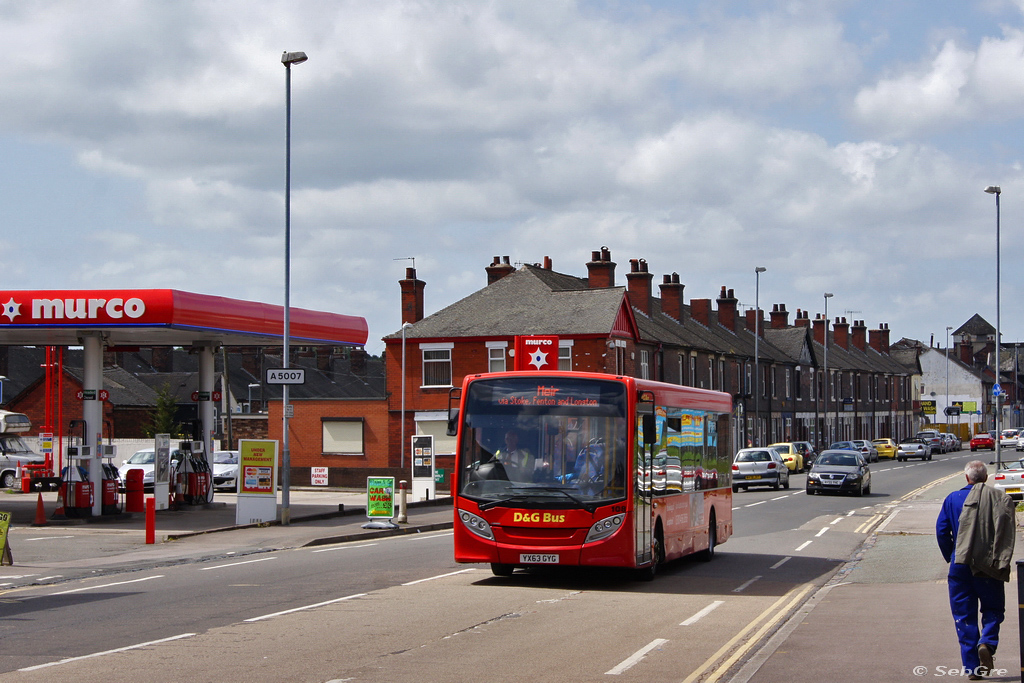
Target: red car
983,440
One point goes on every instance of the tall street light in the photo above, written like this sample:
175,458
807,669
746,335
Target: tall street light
288,58
825,378
757,356
948,328
994,189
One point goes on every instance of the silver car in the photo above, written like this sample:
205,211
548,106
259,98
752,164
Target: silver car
759,467
914,448
1010,479
867,449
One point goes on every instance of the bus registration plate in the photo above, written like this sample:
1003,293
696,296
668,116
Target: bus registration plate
538,558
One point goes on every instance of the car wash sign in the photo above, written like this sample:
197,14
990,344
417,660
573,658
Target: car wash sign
536,353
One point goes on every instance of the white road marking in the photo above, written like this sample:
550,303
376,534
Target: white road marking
344,547
107,652
235,564
108,585
780,562
313,606
46,538
802,546
821,533
636,657
745,585
439,576
703,613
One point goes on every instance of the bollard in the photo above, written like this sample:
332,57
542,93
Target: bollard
150,520
403,491
134,491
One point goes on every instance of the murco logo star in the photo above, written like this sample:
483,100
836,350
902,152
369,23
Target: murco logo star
12,309
538,359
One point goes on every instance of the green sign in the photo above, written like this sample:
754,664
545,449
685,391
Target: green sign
380,497
439,475
5,550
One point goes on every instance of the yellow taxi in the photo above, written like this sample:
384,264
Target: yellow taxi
793,458
886,448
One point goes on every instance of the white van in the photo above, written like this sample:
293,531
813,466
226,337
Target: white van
13,449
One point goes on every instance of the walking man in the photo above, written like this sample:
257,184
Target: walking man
975,531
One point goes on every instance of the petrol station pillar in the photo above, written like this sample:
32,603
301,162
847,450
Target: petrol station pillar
92,412
207,381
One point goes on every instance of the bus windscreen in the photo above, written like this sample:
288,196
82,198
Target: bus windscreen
544,442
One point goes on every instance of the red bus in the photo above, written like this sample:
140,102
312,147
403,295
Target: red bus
586,469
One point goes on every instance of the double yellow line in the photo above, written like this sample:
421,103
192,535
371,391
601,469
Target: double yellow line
780,607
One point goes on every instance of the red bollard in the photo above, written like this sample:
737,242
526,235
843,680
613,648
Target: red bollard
150,520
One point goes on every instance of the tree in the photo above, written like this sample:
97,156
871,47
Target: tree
162,420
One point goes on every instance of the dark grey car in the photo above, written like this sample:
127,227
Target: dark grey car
839,471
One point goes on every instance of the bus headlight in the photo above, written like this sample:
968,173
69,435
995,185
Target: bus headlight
477,525
604,528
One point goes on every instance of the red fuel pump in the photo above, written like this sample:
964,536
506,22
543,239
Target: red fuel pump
196,472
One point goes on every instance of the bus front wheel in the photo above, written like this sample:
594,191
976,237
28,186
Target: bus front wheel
709,554
657,557
502,569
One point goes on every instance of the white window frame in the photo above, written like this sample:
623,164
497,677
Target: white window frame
497,353
435,347
565,354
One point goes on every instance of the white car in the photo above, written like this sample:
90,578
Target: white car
1008,439
225,470
1010,479
144,460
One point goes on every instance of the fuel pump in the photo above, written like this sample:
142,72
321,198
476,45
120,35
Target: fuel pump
75,487
196,471
111,480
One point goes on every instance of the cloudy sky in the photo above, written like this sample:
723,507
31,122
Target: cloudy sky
842,145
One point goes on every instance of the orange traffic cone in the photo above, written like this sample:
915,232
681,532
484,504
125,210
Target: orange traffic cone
59,512
40,512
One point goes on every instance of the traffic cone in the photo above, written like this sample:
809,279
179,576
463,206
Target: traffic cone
59,512
40,512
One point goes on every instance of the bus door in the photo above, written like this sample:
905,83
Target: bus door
643,511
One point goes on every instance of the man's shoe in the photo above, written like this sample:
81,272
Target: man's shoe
975,677
985,655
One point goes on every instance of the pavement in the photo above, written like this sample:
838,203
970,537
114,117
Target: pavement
883,616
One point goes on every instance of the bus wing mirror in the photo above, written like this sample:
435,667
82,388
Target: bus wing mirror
453,422
650,426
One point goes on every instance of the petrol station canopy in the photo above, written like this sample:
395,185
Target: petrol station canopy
164,317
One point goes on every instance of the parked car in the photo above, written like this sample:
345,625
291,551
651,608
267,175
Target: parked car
866,449
886,448
983,440
225,470
1008,439
759,467
844,446
790,455
144,460
841,471
914,448
952,441
1020,444
933,439
1010,479
806,450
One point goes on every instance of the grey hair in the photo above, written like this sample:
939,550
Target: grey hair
976,471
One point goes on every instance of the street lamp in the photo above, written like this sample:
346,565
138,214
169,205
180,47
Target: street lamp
757,362
948,328
997,390
825,382
251,387
288,58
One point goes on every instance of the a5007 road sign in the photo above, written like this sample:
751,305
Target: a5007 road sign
286,376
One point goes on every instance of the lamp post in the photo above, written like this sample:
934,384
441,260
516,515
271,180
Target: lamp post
404,326
287,58
948,328
757,356
825,382
995,189
251,387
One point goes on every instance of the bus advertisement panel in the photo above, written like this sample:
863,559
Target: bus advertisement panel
586,469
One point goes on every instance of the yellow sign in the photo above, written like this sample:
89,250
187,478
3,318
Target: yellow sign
928,407
5,551
257,466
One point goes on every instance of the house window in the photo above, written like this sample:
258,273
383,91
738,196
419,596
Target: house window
435,424
789,385
746,387
774,393
679,358
437,364
721,375
711,373
342,436
645,364
693,371
496,352
564,356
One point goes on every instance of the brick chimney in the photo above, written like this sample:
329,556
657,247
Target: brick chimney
802,319
727,310
547,263
879,339
357,361
601,269
780,317
638,283
966,353
700,310
751,320
819,329
841,335
412,297
859,333
163,359
672,297
499,268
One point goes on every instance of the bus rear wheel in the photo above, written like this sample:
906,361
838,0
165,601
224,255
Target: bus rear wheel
502,569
